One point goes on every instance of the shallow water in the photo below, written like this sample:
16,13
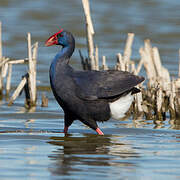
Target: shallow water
32,145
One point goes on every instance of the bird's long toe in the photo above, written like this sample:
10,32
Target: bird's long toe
99,131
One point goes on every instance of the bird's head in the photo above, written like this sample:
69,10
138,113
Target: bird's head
62,37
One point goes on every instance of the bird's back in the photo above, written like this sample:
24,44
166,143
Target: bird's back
80,92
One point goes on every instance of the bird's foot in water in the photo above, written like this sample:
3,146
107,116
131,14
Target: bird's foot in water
65,130
99,131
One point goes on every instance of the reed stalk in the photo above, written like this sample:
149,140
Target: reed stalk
89,33
32,73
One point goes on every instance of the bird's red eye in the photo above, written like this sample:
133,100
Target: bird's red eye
61,35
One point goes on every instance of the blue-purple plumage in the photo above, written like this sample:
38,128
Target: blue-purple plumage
86,95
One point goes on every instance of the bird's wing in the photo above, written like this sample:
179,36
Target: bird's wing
92,85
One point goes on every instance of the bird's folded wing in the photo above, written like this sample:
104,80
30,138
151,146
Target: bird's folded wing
92,85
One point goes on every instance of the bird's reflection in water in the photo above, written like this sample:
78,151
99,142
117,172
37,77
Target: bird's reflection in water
77,154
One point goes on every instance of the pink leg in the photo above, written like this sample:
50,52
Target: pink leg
99,131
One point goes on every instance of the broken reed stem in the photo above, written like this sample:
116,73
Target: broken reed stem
84,62
162,74
104,66
1,42
34,58
91,49
4,61
171,100
157,61
159,102
96,59
133,68
177,98
1,80
139,102
149,60
44,102
17,91
89,32
1,77
139,66
179,64
8,81
19,61
4,70
34,51
88,15
32,73
120,63
127,50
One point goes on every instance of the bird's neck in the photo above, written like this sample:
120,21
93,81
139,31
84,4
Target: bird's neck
61,59
64,54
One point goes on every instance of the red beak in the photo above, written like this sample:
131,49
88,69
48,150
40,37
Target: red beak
53,39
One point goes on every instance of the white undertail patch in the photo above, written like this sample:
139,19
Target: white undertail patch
121,106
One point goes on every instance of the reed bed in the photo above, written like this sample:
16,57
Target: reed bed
160,94
28,82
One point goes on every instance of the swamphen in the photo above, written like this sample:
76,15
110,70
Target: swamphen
88,96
